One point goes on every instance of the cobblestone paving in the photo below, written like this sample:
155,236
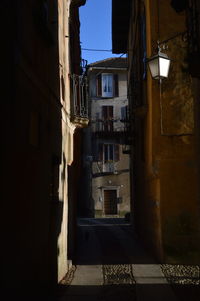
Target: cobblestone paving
182,274
118,283
68,277
118,274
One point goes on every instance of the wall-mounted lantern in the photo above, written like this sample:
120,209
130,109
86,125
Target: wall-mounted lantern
159,65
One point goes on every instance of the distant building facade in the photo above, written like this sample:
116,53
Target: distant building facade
108,119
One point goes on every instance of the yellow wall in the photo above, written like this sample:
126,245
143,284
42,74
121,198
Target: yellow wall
165,192
173,160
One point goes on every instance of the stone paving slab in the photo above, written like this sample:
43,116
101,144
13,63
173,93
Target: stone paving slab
88,275
111,265
87,283
147,283
148,273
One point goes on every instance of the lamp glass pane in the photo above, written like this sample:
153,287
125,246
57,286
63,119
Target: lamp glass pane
164,66
154,67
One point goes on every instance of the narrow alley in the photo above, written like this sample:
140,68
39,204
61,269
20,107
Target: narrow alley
100,150
111,264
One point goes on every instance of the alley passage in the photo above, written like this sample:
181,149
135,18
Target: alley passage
112,265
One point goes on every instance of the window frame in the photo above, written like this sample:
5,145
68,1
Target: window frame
106,80
109,155
114,85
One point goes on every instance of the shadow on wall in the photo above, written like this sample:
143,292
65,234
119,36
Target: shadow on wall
31,213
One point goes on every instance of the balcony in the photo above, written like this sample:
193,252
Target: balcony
79,100
103,168
109,167
110,127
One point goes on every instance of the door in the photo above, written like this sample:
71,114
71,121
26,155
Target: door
110,202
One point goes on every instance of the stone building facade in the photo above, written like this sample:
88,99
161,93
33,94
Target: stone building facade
108,119
164,149
38,123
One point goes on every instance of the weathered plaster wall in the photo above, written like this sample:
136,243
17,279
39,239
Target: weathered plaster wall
119,181
166,176
38,145
173,143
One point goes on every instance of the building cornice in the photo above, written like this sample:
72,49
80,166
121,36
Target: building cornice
106,68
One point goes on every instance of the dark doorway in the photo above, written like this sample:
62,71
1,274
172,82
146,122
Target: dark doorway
110,202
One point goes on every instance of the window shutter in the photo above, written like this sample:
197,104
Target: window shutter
104,112
110,112
107,112
116,85
100,157
116,150
107,116
99,85
95,151
124,113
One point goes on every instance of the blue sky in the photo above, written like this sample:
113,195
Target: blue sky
95,30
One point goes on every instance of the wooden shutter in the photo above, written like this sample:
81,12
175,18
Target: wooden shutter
116,85
110,112
95,151
107,112
116,152
124,113
99,85
107,116
100,152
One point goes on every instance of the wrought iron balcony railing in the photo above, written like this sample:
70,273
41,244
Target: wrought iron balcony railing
108,126
102,167
79,96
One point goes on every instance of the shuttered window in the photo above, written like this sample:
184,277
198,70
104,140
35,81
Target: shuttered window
107,85
109,151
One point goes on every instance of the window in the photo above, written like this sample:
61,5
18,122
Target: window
110,152
107,85
106,152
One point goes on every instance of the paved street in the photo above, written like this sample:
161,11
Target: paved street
112,265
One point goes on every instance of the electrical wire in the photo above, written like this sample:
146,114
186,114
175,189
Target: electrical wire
103,50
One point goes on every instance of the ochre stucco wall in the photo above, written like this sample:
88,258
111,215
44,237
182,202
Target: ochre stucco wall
173,148
165,176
